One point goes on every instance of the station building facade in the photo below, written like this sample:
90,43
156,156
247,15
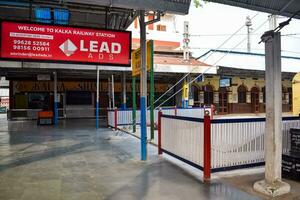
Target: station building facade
239,86
77,83
244,95
77,89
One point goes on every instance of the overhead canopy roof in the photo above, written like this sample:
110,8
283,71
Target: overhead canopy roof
166,6
247,61
80,14
110,14
282,7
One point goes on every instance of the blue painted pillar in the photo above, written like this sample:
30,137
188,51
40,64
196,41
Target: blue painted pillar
55,120
143,129
123,105
143,100
97,100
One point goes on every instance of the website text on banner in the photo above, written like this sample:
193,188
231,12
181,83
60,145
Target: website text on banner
37,42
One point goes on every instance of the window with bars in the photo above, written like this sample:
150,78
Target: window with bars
161,27
242,94
208,95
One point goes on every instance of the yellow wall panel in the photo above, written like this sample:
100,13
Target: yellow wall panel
296,94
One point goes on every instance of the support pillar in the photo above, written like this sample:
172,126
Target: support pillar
55,121
185,95
97,100
123,106
143,98
133,104
152,90
272,185
109,93
113,91
207,147
159,132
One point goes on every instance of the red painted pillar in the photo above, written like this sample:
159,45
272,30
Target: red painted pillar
159,133
207,149
116,119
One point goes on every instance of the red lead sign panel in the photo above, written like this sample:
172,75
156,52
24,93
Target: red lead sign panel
58,43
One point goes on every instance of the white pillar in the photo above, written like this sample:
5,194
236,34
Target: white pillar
109,93
55,99
272,185
124,90
272,22
113,91
97,100
273,110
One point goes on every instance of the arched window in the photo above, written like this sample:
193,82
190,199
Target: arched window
254,90
195,91
255,99
290,90
208,94
242,94
284,91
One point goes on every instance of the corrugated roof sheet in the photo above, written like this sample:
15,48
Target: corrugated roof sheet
282,7
243,60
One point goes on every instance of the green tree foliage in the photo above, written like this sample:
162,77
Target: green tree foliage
199,3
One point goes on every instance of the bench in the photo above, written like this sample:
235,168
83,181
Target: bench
45,118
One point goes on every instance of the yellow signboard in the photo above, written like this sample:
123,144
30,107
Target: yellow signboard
136,59
296,95
185,91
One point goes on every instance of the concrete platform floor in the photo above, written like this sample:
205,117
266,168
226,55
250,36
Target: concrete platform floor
245,183
74,161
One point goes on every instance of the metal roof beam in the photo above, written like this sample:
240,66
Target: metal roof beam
167,6
278,7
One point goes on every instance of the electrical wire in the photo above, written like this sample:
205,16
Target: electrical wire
204,60
242,34
211,65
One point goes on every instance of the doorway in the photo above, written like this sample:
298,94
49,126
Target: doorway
255,100
195,91
223,101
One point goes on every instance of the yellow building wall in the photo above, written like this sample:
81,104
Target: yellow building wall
296,94
214,81
236,82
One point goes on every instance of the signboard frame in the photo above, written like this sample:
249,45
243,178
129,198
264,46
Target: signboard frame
135,60
63,61
225,82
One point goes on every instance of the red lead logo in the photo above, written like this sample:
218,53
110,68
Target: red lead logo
21,41
68,47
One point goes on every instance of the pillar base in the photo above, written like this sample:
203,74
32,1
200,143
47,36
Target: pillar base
276,189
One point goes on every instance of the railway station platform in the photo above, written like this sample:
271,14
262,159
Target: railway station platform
74,161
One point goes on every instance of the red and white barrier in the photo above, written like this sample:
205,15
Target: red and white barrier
218,145
125,116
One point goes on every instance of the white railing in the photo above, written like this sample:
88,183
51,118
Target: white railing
183,138
125,116
79,111
286,137
237,143
241,142
193,112
234,143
